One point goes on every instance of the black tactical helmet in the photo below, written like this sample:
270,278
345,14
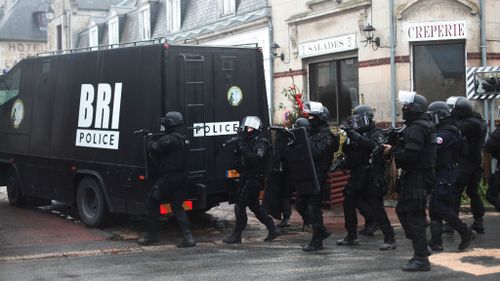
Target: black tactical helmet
413,104
462,108
173,119
325,114
439,111
363,109
303,123
362,117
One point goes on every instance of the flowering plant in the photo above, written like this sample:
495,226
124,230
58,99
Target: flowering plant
295,96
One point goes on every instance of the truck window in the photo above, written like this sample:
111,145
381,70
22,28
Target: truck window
9,85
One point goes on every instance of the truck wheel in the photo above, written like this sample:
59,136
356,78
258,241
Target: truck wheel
90,202
14,193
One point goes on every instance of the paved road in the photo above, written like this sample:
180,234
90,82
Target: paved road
43,244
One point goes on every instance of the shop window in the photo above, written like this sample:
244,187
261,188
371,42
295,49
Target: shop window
439,70
335,84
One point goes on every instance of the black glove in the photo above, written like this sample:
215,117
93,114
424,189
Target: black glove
353,135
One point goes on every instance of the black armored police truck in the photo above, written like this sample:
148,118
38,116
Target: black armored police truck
67,123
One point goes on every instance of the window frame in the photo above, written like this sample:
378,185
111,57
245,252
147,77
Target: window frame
145,22
227,8
93,36
438,43
174,20
114,31
336,59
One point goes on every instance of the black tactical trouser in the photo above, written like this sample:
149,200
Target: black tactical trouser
442,204
362,188
248,196
310,205
411,209
493,192
168,188
468,180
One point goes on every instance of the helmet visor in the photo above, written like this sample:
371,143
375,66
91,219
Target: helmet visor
358,121
451,101
406,97
314,108
251,121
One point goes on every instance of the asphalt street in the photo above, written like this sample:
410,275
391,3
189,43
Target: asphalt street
49,244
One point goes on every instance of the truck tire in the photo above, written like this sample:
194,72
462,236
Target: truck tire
91,203
14,192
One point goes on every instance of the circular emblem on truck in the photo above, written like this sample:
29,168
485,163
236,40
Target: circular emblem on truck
17,113
234,95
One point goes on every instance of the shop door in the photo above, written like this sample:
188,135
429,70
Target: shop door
439,70
335,84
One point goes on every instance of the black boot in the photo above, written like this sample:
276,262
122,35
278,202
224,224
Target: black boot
389,243
285,222
313,245
467,238
369,229
187,241
349,240
436,242
417,264
447,229
324,234
234,238
477,226
148,239
272,233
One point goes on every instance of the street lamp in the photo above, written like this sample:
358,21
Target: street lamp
369,32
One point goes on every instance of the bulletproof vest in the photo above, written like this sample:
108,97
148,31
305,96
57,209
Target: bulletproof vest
475,139
258,146
174,160
427,160
323,146
493,144
358,154
449,154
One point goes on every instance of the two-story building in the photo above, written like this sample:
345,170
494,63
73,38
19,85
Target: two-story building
346,52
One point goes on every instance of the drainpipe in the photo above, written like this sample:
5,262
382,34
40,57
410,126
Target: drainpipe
393,62
487,104
271,70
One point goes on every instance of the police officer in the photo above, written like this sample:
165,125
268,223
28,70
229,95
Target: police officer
365,159
473,129
444,197
416,156
254,152
170,152
323,145
493,147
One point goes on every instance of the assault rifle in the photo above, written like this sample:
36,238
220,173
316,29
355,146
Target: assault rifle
338,163
392,136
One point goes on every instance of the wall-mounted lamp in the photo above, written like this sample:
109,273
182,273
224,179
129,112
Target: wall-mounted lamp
274,52
49,14
369,32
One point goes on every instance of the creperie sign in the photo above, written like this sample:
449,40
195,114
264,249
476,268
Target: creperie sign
443,30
